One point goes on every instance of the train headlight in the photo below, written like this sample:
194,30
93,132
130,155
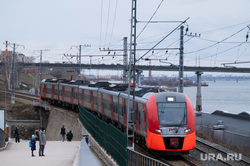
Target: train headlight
187,130
158,130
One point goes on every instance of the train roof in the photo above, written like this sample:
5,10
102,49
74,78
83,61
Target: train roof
99,84
54,81
79,82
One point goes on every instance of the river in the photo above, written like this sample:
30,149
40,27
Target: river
228,96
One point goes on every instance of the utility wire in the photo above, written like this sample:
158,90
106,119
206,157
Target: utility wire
107,24
224,51
228,27
162,40
101,24
113,22
216,42
150,19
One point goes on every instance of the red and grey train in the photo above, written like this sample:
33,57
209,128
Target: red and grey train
164,121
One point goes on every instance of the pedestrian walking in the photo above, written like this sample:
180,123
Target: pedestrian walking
69,135
42,142
17,135
33,145
63,133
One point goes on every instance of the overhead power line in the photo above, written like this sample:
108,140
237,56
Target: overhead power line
216,42
162,39
150,19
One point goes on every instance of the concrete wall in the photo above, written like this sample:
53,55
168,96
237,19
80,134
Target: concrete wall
57,118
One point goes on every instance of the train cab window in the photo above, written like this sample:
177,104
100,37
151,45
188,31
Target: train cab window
172,114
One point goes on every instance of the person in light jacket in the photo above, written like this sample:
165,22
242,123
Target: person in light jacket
42,142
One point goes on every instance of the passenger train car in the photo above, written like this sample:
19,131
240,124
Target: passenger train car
164,121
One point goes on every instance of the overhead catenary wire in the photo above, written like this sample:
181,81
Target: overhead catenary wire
112,31
150,19
101,24
216,42
162,39
107,26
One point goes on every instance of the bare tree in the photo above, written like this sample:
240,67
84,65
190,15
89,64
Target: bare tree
6,58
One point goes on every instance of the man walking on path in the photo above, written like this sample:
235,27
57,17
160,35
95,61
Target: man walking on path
42,142
63,133
17,135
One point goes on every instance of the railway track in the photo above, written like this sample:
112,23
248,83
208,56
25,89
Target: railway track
21,94
180,160
212,154
206,152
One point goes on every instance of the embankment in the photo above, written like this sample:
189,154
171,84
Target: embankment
58,118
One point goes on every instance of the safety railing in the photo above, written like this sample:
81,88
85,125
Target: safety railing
138,159
107,136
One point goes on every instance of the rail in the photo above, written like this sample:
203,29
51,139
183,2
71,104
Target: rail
217,154
138,159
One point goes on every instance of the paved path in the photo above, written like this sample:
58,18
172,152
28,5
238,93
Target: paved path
57,153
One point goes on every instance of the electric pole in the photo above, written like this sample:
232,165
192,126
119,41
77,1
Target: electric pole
13,74
181,60
40,67
79,58
125,59
132,54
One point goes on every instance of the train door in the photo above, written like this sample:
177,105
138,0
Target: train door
115,107
91,99
145,120
137,118
53,92
112,111
124,112
82,97
102,103
72,95
44,90
63,92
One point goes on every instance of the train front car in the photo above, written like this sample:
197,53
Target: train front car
171,123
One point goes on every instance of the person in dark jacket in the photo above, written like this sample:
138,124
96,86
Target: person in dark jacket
37,135
17,135
33,145
63,133
42,142
69,135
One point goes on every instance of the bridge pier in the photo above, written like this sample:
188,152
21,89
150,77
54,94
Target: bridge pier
198,95
139,78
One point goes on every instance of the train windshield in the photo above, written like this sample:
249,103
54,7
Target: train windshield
172,114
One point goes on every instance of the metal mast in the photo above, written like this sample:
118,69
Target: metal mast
125,59
132,54
181,60
13,76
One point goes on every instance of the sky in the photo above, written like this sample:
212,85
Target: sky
62,25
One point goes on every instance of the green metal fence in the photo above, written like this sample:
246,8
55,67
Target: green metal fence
107,136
